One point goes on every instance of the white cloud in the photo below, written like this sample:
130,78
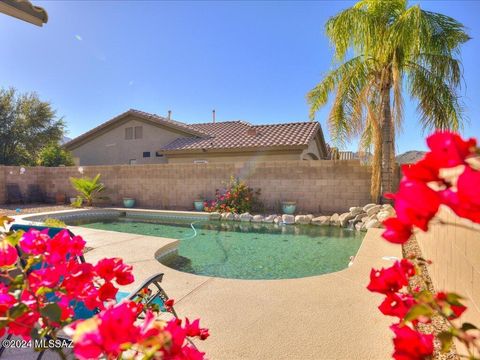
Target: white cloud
78,37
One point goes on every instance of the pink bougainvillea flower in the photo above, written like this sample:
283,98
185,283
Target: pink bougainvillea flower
193,329
396,304
416,204
107,291
448,149
8,254
423,171
442,300
58,247
114,268
23,325
465,209
34,242
410,344
389,280
396,231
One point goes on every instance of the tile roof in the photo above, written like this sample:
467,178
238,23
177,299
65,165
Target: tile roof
160,120
234,135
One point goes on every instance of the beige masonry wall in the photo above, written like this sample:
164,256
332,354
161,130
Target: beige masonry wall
455,252
317,186
2,184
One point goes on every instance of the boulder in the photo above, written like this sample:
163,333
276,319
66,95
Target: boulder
388,207
230,216
321,220
368,206
278,220
246,217
215,216
288,219
344,218
269,219
373,223
303,219
224,216
236,217
354,211
257,218
334,219
358,226
384,215
374,210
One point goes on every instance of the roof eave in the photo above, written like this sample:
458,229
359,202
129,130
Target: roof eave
233,149
24,10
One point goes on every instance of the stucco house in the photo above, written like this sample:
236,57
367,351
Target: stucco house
137,137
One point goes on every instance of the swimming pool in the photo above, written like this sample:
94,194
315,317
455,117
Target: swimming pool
245,250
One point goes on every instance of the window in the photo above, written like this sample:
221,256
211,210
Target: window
129,133
138,132
132,161
200,161
146,154
158,154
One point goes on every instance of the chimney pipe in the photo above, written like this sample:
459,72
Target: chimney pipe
213,115
169,116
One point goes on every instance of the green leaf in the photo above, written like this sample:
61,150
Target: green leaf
18,280
467,326
418,310
18,310
452,299
446,339
52,311
14,237
42,290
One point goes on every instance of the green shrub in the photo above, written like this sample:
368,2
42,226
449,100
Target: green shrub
51,222
88,189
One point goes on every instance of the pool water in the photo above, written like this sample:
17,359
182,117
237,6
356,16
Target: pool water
247,250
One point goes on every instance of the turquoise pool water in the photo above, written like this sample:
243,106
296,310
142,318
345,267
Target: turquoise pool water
247,250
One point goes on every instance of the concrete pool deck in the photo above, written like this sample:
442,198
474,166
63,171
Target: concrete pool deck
329,316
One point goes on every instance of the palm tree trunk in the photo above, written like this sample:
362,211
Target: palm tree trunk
387,142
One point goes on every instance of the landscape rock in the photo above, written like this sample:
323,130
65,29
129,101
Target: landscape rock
277,220
354,211
383,215
321,220
236,217
215,216
303,219
230,216
334,219
246,217
288,219
269,219
374,210
358,226
368,206
388,207
373,223
344,218
257,218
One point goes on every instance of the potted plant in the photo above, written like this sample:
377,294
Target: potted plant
199,203
289,207
128,202
88,189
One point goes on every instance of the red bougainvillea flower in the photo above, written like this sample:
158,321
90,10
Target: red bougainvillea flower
416,204
396,231
34,242
465,209
107,291
442,300
410,344
193,329
424,171
114,268
391,279
8,254
396,304
448,149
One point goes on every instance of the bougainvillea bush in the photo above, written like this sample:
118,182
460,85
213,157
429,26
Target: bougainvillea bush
426,186
236,198
41,289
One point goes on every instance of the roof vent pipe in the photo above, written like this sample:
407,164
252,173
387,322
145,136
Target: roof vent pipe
213,115
169,116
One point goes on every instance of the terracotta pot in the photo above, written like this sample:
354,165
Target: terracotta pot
60,198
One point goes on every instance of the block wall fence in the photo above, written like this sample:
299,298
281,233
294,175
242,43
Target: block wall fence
317,186
455,252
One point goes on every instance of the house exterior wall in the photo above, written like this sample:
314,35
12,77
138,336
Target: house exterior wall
244,156
319,186
312,149
111,147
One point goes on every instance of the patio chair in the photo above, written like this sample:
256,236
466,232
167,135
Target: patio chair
156,296
14,195
35,194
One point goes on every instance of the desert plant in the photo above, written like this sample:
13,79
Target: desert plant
88,189
52,222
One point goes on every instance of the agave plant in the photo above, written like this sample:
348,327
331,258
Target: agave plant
88,189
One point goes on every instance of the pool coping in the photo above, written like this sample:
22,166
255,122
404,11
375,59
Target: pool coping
328,316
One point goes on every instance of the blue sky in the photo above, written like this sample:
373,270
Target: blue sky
253,61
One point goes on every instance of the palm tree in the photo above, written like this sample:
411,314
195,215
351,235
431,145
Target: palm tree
385,48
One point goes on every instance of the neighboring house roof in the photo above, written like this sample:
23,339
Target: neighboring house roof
152,118
24,10
240,134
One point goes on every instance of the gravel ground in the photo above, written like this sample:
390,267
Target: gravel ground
11,210
423,281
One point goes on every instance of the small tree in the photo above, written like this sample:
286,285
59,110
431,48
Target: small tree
88,189
53,155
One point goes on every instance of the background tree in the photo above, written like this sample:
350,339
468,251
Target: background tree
27,124
54,155
385,48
